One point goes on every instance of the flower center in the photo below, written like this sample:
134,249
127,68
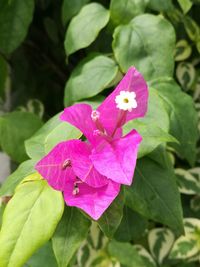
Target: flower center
126,100
95,115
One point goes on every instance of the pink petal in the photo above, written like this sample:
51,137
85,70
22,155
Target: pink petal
117,160
84,168
51,166
94,201
133,81
79,115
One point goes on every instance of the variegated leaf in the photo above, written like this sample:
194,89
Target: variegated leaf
187,183
185,74
160,242
92,249
192,225
183,50
145,255
188,246
184,248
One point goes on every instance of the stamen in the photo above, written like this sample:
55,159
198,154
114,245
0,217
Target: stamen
67,163
95,115
76,188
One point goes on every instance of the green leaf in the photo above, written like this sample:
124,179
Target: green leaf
132,226
183,118
195,203
69,9
84,27
146,42
29,221
187,183
185,74
125,253
183,50
52,132
3,75
160,242
111,218
15,18
2,208
89,78
70,233
185,5
94,101
154,194
44,257
122,12
15,128
153,127
160,5
152,136
24,169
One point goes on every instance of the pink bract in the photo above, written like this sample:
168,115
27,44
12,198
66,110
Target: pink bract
117,160
90,173
94,201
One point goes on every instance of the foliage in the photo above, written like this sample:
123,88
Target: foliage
55,52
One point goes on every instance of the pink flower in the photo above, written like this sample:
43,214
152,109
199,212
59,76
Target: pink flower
90,173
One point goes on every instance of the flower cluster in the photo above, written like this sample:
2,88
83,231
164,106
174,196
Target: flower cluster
90,173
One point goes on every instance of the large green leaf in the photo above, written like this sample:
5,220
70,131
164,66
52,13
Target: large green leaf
160,5
125,253
89,78
146,42
132,226
53,132
155,195
84,27
24,169
69,9
3,75
29,220
111,218
44,257
183,118
122,11
15,18
15,128
70,233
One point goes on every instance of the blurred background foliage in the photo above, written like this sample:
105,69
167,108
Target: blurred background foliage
56,53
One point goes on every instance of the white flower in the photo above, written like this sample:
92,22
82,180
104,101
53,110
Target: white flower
126,100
